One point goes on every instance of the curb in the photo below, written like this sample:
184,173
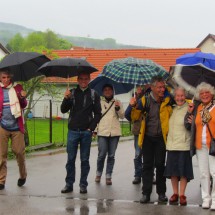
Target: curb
63,149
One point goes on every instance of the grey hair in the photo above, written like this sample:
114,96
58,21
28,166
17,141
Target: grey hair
179,88
204,86
156,79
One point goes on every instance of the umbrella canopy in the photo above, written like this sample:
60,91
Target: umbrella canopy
192,69
133,70
23,65
66,67
206,60
100,81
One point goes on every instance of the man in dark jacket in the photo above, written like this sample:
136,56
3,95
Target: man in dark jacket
85,112
138,162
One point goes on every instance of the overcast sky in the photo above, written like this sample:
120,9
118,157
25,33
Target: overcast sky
152,23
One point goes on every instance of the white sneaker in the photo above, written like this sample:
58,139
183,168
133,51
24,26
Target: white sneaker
206,205
213,206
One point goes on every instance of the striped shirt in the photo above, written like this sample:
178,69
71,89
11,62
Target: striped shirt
8,121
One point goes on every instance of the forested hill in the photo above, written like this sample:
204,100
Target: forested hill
7,31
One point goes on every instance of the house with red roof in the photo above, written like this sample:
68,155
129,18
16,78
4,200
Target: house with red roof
98,58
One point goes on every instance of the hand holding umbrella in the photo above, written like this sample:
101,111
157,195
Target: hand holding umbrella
133,101
67,94
23,94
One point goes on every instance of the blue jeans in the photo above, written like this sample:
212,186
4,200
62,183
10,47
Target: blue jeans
138,163
84,138
106,146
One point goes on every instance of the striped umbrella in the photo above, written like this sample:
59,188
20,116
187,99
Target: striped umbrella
133,71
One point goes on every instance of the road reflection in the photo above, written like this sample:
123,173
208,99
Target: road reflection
89,207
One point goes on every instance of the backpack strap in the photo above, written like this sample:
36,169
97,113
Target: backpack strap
93,95
146,103
107,109
73,96
92,91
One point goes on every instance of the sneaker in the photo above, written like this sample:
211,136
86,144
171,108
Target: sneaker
98,179
1,186
162,198
173,199
145,199
206,204
67,189
21,182
83,190
108,181
213,206
183,200
137,180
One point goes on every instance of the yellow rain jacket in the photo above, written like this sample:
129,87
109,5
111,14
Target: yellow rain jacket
165,112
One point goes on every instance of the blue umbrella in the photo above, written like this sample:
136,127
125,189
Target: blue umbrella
100,81
192,69
206,60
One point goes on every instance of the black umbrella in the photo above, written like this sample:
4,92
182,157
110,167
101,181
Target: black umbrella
23,65
66,67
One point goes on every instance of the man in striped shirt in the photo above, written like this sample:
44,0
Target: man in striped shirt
12,102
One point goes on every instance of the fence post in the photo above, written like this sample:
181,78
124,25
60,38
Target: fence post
50,121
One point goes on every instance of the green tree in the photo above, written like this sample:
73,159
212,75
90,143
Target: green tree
16,43
38,40
51,39
37,85
64,44
41,42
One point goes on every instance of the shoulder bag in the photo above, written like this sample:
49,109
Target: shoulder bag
212,143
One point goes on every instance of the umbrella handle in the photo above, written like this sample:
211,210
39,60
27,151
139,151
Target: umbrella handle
68,81
135,91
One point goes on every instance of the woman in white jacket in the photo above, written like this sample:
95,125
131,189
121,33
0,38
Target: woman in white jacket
179,162
108,131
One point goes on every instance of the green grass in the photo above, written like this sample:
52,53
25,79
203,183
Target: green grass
39,131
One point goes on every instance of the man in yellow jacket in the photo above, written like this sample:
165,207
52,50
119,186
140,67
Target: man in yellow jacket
152,138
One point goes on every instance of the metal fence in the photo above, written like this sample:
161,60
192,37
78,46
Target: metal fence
46,123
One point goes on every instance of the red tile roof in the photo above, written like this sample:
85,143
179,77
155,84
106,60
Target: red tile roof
98,58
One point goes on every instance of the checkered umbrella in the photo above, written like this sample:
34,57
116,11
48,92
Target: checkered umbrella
133,71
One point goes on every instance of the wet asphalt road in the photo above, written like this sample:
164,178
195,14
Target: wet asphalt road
41,193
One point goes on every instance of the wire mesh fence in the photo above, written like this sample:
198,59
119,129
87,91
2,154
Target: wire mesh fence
46,123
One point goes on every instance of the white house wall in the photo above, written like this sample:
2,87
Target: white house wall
42,107
208,46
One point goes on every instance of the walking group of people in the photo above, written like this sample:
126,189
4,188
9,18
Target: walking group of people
161,124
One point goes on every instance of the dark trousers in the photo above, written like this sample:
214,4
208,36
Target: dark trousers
138,162
154,153
76,138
